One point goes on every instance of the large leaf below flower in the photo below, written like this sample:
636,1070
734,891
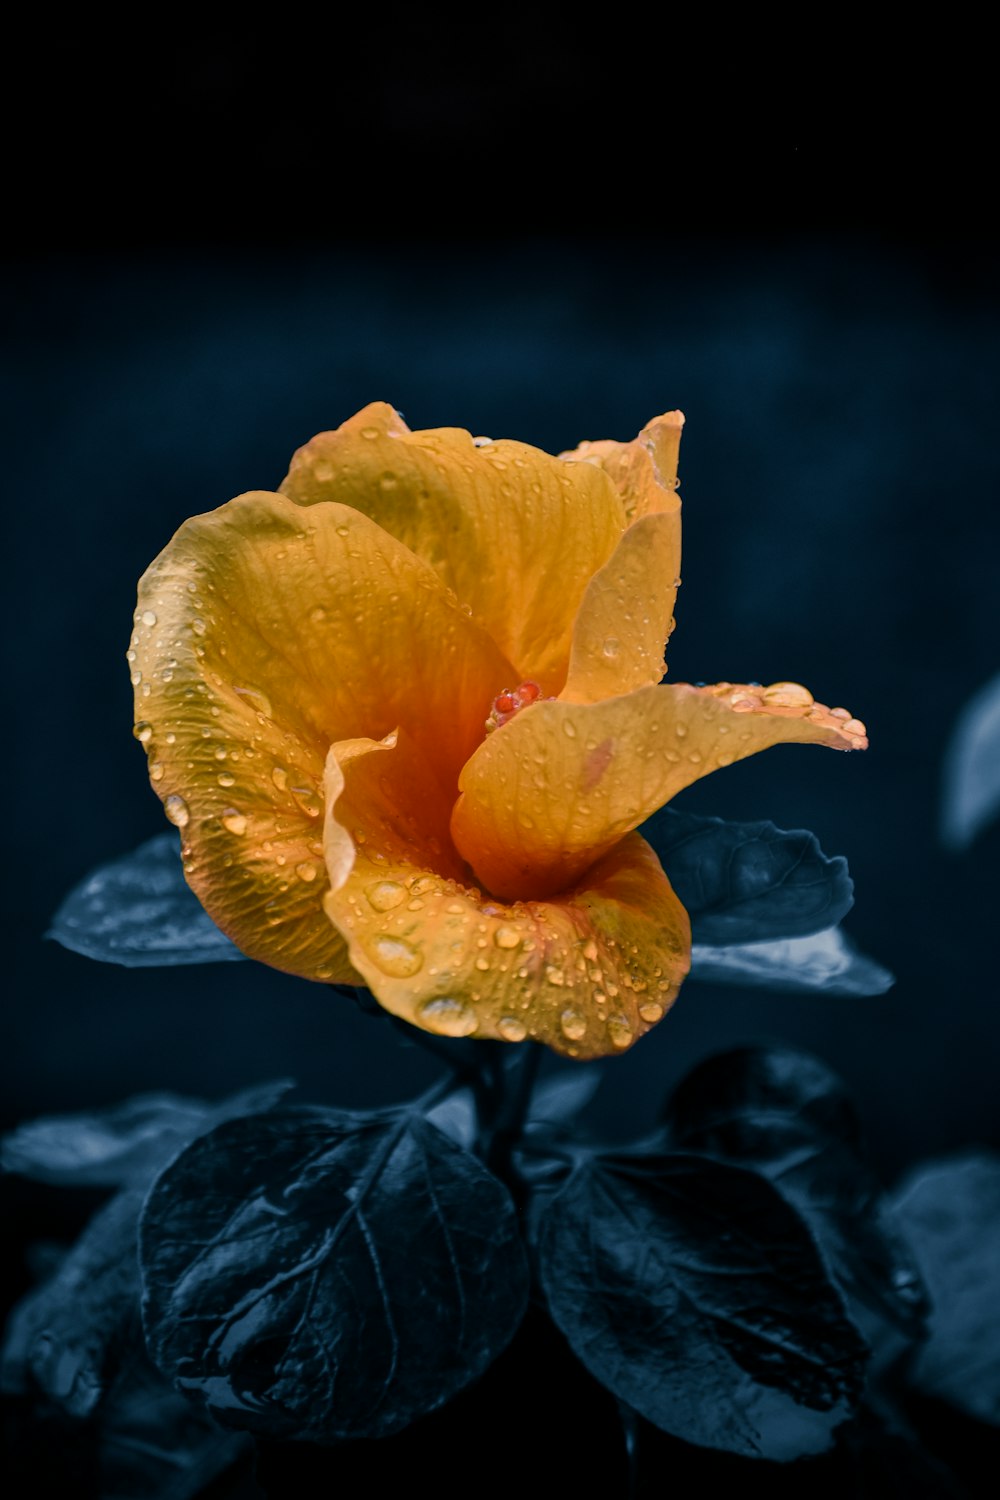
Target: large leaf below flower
749,882
824,962
322,1275
787,1115
950,1212
695,1293
139,911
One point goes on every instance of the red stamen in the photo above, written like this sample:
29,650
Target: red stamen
506,704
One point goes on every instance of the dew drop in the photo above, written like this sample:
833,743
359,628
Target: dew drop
156,771
385,894
280,777
143,732
177,811
619,1031
555,976
680,730
258,700
512,1029
573,1025
226,780
788,695
148,617
611,647
569,729
307,800
448,1016
306,871
652,1011
393,956
234,821
317,614
507,937
482,964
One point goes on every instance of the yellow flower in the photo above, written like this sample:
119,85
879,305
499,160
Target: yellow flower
316,672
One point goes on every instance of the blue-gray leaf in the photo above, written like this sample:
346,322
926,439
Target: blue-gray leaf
825,962
787,1115
140,911
749,882
321,1275
972,769
949,1211
697,1295
125,1143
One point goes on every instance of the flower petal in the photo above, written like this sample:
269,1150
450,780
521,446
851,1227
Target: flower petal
627,613
261,635
587,974
555,788
515,532
644,471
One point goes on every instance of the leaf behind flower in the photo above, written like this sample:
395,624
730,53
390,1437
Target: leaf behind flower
825,962
971,794
139,911
749,882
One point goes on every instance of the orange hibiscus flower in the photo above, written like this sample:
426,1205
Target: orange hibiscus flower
407,714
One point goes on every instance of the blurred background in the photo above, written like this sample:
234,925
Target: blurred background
223,251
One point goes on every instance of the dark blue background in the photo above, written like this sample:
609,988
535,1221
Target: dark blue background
840,482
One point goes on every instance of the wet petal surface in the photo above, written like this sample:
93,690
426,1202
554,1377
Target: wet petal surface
587,973
516,533
263,633
554,789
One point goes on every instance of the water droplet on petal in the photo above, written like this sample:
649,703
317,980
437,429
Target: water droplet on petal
385,895
555,976
177,811
787,695
611,647
148,617
306,871
143,732
652,1011
448,1016
507,937
512,1029
234,821
393,956
156,771
226,780
619,1031
280,777
573,1025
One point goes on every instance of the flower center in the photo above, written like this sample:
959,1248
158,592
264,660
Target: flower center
506,704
